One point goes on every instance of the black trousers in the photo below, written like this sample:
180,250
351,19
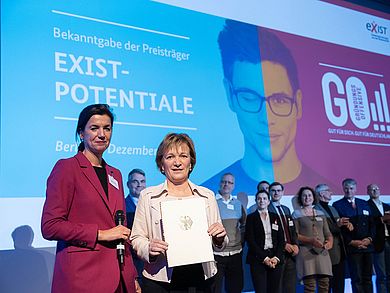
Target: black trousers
337,282
265,279
288,279
230,273
360,269
188,278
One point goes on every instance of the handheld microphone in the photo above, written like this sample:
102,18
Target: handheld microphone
120,247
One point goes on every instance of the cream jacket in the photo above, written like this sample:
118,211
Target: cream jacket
147,225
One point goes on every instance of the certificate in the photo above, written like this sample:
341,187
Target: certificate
185,227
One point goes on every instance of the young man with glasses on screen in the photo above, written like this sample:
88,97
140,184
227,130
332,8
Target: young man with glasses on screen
261,83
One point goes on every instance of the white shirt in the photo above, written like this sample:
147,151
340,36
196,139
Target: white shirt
218,196
135,200
228,200
379,205
276,205
267,230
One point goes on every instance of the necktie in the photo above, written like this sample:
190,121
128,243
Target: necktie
263,215
285,225
353,204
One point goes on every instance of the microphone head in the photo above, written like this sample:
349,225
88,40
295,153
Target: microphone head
119,217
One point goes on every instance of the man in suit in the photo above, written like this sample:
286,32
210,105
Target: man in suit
265,239
288,276
358,241
381,240
337,253
136,182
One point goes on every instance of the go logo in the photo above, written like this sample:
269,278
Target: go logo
351,101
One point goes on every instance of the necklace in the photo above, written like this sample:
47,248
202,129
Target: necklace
308,211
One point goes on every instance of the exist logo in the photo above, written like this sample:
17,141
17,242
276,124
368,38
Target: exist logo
351,101
378,32
375,28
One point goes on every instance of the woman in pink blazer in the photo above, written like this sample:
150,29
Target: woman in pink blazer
82,197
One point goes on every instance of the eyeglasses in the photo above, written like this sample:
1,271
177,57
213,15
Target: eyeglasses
276,190
227,182
250,101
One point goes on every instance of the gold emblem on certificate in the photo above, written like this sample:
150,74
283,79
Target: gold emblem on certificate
185,223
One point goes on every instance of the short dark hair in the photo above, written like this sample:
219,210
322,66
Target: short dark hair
175,139
86,114
239,42
300,192
136,171
261,182
275,184
262,191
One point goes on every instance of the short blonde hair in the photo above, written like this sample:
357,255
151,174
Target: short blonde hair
174,140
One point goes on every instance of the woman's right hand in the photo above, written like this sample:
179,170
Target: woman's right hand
157,247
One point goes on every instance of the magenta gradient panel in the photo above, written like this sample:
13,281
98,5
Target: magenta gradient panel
344,91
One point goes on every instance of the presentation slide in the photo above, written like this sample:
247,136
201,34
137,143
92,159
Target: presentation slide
264,96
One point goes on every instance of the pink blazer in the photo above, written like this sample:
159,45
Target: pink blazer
76,207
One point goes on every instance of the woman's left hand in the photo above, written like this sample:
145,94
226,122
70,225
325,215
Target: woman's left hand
274,261
327,245
217,232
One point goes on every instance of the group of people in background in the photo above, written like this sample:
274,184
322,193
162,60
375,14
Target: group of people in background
310,245
317,241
